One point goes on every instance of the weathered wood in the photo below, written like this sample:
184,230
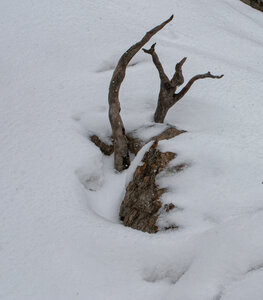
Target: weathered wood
167,134
121,151
141,204
180,95
134,143
104,148
167,96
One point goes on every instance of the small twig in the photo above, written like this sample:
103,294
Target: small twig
178,78
180,95
157,63
104,148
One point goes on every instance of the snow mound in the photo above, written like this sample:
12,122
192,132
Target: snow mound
60,233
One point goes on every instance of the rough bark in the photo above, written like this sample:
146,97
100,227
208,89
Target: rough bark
134,144
257,4
121,151
167,96
141,204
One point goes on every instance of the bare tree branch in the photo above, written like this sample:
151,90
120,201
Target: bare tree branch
178,78
121,152
167,96
104,148
180,95
157,63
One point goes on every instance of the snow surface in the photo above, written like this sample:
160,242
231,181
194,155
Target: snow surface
60,237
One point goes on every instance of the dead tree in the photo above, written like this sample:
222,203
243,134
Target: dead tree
167,96
121,151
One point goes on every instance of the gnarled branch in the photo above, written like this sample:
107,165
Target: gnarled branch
178,78
121,151
180,95
167,96
157,63
104,148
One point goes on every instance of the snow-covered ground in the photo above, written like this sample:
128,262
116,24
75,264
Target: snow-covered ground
60,238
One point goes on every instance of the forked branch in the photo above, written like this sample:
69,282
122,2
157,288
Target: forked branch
180,95
167,96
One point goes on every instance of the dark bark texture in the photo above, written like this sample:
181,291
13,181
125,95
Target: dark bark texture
141,204
167,96
257,4
121,151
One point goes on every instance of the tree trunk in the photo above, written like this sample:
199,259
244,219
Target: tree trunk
164,102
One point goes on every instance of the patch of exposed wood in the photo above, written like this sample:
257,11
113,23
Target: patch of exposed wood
141,204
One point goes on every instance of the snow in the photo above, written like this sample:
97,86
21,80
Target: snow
60,237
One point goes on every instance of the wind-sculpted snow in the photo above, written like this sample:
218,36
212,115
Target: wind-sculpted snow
219,258
61,238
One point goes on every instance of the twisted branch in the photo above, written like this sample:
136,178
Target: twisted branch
178,78
180,95
121,151
104,148
157,63
167,96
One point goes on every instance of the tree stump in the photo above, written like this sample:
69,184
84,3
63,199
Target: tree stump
141,204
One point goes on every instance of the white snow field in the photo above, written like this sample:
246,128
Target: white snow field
60,237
